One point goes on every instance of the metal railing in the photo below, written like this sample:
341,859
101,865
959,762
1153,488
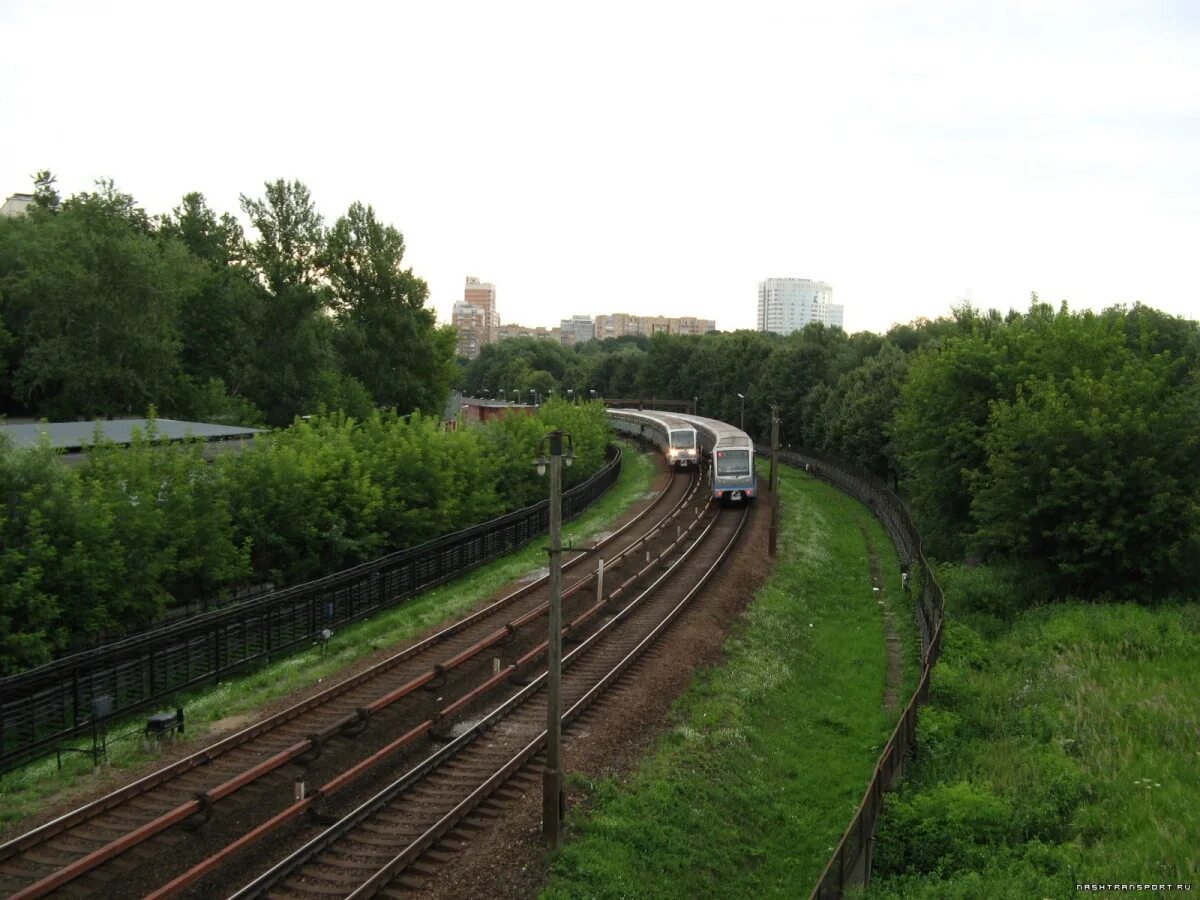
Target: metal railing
850,863
41,708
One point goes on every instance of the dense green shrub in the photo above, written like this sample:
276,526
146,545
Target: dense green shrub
949,826
107,546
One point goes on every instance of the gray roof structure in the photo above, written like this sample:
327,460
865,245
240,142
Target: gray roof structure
72,436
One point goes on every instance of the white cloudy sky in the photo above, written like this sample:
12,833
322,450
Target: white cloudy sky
657,157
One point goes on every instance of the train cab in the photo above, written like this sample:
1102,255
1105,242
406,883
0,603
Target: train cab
684,450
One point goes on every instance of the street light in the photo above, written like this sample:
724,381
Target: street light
553,800
742,397
570,395
502,394
695,406
593,393
533,395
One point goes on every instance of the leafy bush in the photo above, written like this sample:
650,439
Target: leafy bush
948,827
110,545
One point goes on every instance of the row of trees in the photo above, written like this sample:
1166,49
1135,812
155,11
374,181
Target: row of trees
107,546
105,310
1064,442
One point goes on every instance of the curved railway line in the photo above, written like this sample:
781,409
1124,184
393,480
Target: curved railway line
194,807
171,829
386,845
453,726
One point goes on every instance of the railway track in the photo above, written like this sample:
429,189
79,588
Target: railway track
134,839
391,842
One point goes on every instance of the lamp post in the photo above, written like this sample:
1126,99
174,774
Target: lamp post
502,397
552,779
570,395
593,393
695,406
742,397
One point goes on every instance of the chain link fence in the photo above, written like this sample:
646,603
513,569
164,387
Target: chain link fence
850,864
43,707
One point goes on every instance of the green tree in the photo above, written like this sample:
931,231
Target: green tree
94,304
289,257
857,413
388,337
1092,479
45,194
221,318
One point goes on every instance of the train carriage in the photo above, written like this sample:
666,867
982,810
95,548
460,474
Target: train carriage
729,460
674,437
725,452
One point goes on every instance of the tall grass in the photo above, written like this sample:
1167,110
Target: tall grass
768,754
25,791
1059,747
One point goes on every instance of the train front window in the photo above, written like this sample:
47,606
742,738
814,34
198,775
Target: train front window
733,462
684,440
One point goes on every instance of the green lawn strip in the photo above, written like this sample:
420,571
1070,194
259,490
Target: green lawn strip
25,791
770,752
1058,749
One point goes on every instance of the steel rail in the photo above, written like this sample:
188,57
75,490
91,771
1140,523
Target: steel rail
206,865
417,847
321,842
202,802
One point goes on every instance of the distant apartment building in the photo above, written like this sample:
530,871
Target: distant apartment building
16,205
621,324
477,322
788,304
577,330
475,318
540,332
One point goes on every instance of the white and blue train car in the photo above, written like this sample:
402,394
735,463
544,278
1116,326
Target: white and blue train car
729,455
671,434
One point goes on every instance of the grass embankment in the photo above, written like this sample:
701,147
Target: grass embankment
26,791
770,752
1059,747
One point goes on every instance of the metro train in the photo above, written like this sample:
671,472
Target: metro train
672,435
729,456
726,452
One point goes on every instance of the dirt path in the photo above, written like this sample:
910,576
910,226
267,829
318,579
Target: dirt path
891,637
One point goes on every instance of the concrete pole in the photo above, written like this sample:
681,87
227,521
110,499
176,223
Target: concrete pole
773,533
552,795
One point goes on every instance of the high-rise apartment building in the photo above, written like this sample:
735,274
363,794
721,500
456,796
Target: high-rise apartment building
480,295
475,318
788,304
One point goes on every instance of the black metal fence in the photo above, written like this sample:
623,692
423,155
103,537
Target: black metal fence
850,864
44,706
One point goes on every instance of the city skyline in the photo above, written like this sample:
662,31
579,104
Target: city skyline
946,151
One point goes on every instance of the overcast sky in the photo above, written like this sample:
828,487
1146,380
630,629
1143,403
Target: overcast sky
657,157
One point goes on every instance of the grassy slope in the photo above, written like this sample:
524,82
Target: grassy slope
769,753
1058,748
23,792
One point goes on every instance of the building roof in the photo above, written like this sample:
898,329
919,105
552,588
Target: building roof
76,435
